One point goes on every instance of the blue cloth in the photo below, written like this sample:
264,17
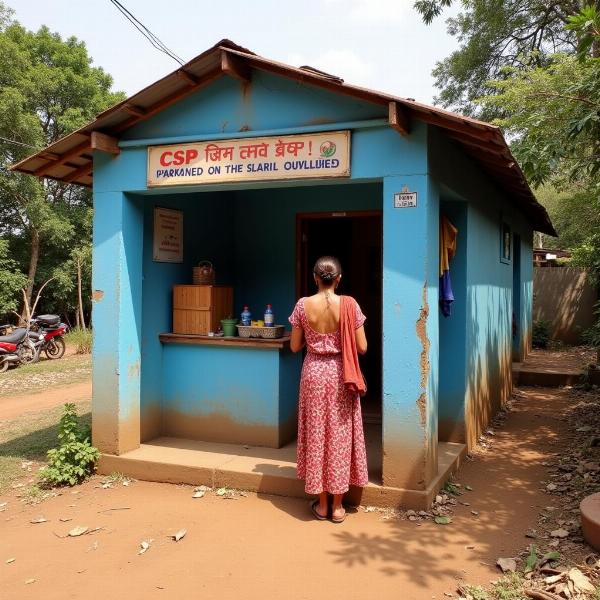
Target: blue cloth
446,295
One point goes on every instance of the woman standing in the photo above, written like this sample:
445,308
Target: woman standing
331,453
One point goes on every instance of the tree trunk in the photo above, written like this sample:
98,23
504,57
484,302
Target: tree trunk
33,263
81,317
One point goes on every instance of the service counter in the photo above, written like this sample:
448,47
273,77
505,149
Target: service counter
229,389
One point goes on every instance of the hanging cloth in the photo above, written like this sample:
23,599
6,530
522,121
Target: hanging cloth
448,235
353,377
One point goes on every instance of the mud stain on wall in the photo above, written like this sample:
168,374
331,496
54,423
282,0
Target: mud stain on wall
97,295
421,328
222,427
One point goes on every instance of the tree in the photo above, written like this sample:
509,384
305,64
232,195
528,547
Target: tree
48,87
552,116
494,34
11,280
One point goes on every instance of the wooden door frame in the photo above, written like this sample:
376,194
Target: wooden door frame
330,214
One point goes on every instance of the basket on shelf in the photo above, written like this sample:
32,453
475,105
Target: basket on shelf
204,273
271,333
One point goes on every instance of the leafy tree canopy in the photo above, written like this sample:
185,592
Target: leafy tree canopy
48,88
493,34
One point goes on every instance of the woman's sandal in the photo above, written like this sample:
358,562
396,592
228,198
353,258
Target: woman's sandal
339,519
313,508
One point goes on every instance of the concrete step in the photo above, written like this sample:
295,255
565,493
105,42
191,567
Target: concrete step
544,377
262,470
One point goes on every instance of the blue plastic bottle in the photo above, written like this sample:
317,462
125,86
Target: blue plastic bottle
269,316
246,316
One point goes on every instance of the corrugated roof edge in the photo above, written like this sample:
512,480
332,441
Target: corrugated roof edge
505,169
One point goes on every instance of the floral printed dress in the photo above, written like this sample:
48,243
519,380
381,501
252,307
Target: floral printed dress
331,452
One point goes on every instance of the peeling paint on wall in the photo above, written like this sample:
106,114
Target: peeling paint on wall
421,327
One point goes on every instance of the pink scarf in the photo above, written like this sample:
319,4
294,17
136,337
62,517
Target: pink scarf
353,377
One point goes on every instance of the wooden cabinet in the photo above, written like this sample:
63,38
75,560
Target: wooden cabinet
198,309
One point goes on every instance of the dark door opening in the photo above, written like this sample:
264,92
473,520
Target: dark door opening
356,239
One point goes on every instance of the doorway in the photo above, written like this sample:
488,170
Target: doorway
355,238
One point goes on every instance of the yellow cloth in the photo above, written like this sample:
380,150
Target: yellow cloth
447,243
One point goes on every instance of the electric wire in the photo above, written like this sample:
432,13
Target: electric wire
151,37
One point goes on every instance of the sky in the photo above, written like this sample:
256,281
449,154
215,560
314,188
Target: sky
381,44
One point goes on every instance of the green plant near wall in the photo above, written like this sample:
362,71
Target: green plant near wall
540,334
81,339
75,457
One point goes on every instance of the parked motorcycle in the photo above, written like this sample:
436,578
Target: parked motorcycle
46,333
17,348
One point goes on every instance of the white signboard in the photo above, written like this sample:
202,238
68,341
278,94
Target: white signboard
168,235
405,199
313,155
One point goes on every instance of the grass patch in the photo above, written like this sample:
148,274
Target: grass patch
40,376
30,438
509,587
80,339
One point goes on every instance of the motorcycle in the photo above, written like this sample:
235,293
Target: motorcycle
17,348
46,333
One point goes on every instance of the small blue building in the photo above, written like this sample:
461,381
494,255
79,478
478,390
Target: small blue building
261,167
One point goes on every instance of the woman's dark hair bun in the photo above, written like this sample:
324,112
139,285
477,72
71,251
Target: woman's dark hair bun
327,268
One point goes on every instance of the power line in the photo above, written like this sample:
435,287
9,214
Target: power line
153,39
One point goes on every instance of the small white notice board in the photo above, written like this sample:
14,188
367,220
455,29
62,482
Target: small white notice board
405,200
168,235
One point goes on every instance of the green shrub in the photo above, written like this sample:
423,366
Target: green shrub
540,334
81,339
591,336
75,457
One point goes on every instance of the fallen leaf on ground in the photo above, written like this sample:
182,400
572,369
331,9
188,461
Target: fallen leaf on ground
3,504
65,519
198,494
507,564
77,531
28,581
38,520
469,488
144,546
221,491
179,535
550,556
581,581
474,512
10,560
443,520
559,533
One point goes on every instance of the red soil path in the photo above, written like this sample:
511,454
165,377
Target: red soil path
270,547
12,407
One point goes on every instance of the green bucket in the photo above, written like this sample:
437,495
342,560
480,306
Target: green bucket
229,327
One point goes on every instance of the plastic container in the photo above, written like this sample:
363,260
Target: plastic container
269,316
229,327
246,316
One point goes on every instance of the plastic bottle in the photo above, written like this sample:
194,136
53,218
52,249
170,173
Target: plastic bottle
269,316
246,316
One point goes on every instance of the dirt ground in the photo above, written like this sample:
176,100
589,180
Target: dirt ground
12,407
259,546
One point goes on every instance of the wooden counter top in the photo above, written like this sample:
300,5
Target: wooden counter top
282,343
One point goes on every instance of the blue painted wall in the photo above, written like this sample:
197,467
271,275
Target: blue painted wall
487,325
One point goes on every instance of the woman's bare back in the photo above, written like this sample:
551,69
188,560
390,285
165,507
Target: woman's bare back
323,312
